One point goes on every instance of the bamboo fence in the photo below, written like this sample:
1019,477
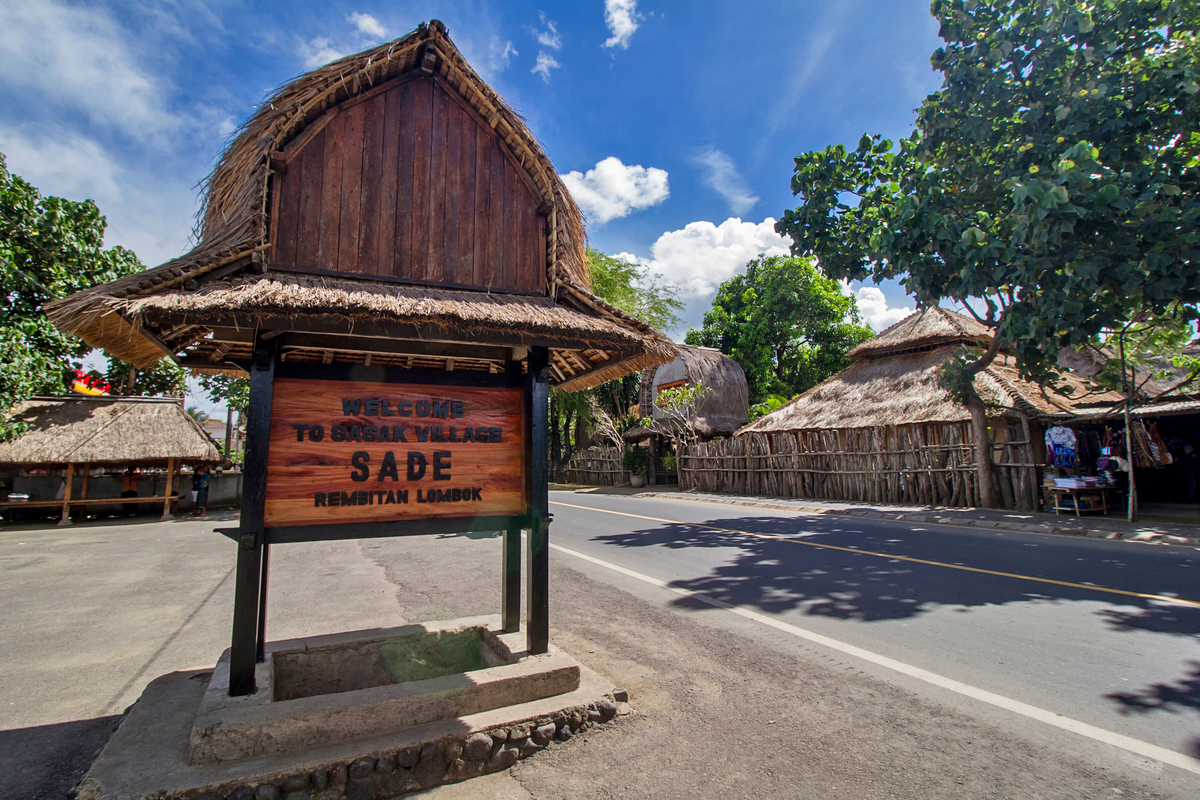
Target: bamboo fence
929,464
596,466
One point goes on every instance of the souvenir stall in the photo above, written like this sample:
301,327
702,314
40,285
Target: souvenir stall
1166,457
1086,469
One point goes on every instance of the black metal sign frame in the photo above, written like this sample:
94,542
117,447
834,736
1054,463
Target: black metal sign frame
255,538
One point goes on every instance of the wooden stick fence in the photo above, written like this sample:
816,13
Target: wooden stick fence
918,464
596,466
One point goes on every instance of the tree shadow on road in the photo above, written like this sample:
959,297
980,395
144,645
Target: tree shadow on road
835,569
831,569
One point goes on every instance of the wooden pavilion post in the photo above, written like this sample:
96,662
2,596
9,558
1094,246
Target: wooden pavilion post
83,490
172,466
66,507
538,598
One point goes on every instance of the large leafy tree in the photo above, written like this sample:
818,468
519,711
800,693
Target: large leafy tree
1051,184
785,323
628,287
49,247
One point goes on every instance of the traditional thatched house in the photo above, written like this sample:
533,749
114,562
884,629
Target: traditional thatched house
83,432
884,429
718,414
393,195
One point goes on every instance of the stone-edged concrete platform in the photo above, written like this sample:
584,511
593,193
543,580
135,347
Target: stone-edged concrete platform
352,685
150,755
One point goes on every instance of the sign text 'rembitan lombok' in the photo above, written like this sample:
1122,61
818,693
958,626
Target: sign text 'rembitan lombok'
345,451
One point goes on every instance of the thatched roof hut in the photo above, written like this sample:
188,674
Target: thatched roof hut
106,431
391,196
720,413
895,380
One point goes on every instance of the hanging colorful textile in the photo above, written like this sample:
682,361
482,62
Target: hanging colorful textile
1060,446
1143,458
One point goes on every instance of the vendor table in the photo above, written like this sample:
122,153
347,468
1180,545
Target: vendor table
1061,492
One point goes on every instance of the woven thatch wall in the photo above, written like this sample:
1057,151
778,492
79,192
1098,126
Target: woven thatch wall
928,464
106,431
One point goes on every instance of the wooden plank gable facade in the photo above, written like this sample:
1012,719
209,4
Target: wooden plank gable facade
407,183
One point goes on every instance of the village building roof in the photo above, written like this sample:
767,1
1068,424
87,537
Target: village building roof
102,430
897,382
203,307
720,412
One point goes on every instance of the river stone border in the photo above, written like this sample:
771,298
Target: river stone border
450,759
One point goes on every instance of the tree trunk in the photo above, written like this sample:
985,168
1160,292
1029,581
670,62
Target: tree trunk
556,459
983,452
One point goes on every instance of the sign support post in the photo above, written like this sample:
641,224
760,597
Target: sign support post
249,602
537,475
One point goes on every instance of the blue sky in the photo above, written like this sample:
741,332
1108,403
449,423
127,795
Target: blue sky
674,123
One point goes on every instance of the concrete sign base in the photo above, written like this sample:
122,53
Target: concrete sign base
186,739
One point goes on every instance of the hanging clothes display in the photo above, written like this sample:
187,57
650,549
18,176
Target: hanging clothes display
1060,446
1143,457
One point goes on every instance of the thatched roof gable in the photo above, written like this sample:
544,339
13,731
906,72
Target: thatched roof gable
906,389
146,431
234,231
923,330
720,413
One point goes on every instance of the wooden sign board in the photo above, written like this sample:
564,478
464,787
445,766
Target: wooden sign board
353,451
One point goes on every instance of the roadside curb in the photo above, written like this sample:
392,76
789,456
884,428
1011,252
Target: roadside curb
933,518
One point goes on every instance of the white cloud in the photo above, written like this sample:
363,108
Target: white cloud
149,213
621,17
78,57
722,176
611,190
701,256
368,25
321,50
549,37
545,63
874,310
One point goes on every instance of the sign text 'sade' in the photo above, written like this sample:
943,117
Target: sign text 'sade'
345,451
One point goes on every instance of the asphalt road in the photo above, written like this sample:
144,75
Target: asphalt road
1123,663
730,702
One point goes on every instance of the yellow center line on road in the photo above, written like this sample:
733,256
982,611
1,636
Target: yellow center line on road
909,559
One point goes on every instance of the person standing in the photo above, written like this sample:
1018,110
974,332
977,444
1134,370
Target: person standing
200,491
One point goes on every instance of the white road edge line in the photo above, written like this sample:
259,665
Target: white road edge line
1008,704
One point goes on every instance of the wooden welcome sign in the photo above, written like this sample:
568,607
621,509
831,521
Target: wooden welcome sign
353,451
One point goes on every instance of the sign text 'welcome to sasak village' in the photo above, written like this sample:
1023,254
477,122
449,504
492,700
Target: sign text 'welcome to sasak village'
345,451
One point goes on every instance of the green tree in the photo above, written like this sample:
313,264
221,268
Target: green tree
628,287
162,378
228,390
49,248
1050,185
785,323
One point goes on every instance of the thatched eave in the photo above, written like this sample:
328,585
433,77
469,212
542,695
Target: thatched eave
106,431
924,330
906,389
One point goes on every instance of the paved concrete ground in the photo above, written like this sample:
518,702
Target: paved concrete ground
725,709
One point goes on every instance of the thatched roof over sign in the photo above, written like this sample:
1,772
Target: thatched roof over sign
143,431
924,330
720,413
225,271
906,389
